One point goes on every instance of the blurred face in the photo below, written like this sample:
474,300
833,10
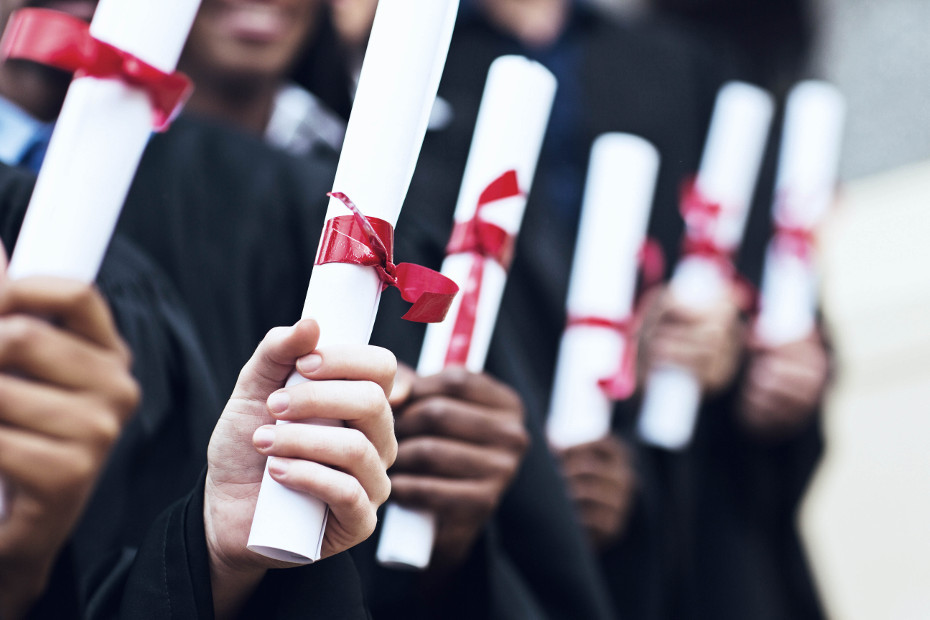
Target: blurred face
352,20
248,39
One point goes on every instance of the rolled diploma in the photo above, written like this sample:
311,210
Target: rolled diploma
509,132
728,173
95,149
807,172
618,199
397,87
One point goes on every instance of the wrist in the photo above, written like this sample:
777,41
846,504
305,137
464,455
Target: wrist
233,579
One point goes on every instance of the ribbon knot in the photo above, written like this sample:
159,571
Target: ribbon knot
796,240
483,240
64,42
622,383
702,216
369,242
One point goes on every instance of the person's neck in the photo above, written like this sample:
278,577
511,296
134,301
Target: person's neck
247,107
536,23
38,90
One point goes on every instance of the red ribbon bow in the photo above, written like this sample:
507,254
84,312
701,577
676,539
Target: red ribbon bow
483,240
369,242
64,42
701,217
622,383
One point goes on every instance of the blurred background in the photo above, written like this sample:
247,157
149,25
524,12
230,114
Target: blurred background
866,518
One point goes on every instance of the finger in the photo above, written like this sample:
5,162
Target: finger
38,409
787,382
675,352
76,306
274,359
588,466
34,348
361,405
458,383
44,467
603,524
342,448
595,490
446,458
461,499
349,502
403,386
351,363
441,416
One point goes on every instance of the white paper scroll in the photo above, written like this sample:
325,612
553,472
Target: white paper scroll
728,173
95,149
397,87
508,135
618,199
804,188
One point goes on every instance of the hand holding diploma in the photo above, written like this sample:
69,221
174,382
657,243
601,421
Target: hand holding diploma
462,439
784,384
66,392
343,466
789,365
397,87
125,86
501,166
596,364
601,478
708,341
715,208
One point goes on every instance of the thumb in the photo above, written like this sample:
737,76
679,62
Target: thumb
274,359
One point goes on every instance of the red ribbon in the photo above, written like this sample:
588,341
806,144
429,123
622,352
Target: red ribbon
483,240
64,42
790,237
701,217
622,383
797,240
369,242
651,262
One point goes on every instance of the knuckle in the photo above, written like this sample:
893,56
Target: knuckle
372,396
388,361
383,491
128,396
516,438
357,447
83,296
106,428
390,454
352,495
455,380
81,469
433,414
17,332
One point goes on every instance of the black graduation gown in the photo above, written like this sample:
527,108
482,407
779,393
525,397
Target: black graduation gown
241,257
235,225
162,450
125,559
651,82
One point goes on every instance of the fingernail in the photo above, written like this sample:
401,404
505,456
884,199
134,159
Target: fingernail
310,363
263,437
279,402
278,467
